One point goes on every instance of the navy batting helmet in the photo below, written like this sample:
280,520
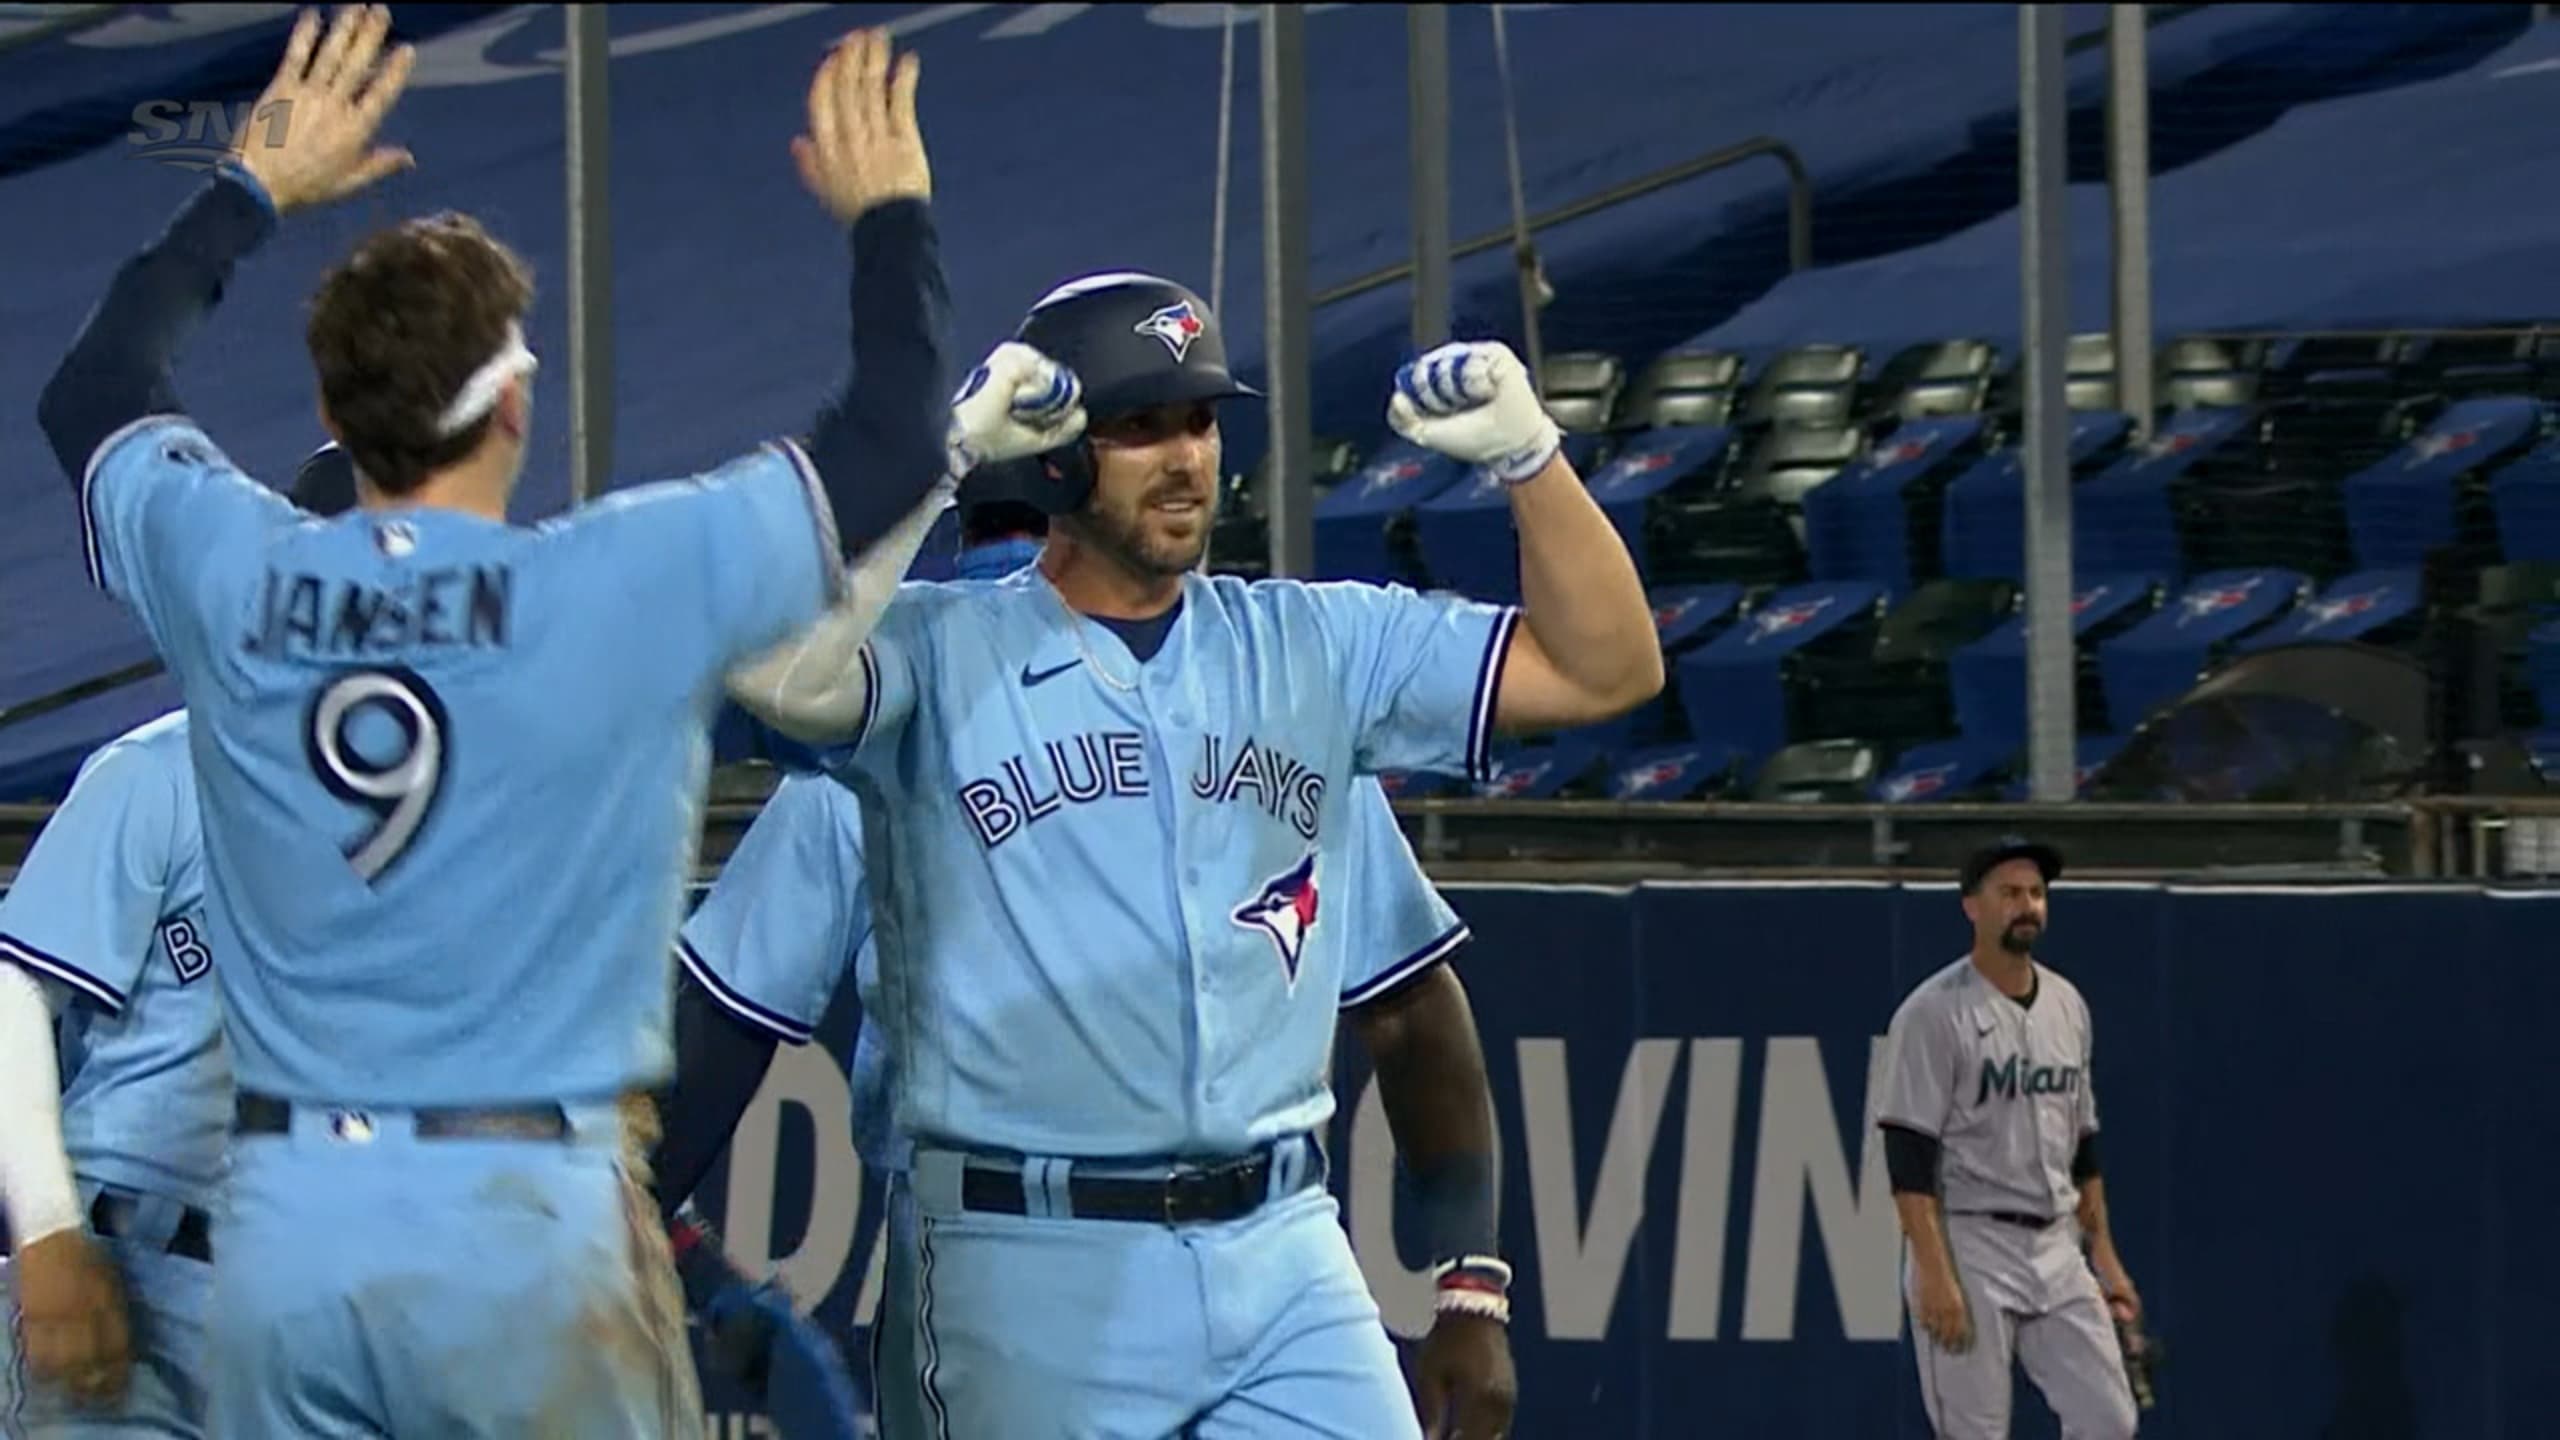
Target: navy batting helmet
1135,342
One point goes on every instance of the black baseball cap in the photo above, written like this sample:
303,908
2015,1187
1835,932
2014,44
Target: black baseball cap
2007,848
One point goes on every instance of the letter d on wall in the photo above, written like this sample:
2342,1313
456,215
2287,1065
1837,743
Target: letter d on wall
809,1077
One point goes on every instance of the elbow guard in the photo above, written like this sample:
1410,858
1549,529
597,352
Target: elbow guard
811,687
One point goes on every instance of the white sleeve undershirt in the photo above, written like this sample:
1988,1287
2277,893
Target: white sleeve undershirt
36,1189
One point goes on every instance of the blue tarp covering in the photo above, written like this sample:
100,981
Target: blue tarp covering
2403,505
2525,496
1983,535
2165,656
1988,678
1351,518
1682,614
1651,463
1065,139
1857,523
2122,518
2419,206
1734,689
1941,771
2352,608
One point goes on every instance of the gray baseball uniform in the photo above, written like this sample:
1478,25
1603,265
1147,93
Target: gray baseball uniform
2004,1089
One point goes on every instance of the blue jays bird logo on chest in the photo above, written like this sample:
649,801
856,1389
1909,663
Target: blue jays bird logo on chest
1284,910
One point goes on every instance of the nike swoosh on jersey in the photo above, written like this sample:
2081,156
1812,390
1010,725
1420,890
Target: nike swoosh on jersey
1031,677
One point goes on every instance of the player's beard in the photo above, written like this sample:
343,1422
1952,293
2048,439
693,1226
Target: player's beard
2020,937
1134,536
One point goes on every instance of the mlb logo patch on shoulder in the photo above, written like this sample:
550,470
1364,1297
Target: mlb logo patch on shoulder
1177,325
395,538
1284,910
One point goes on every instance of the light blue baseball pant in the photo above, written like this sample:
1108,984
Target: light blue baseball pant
1047,1327
376,1283
166,1302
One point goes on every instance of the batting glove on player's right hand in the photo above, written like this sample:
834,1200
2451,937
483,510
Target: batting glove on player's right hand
1020,402
1473,401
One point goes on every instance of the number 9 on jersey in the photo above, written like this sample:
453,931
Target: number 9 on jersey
397,781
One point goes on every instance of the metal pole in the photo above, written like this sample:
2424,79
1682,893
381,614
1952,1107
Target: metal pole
590,257
2129,201
1426,29
1524,251
1285,317
2044,274
1226,167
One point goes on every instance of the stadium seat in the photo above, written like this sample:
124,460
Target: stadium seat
1819,772
1674,772
2089,373
1896,691
2512,603
1416,784
1735,689
1811,385
1751,528
1241,542
2203,374
2125,517
1580,388
1942,771
1983,518
1353,520
2089,755
1537,772
1684,616
1649,468
1878,519
1988,678
1944,377
2371,607
2524,502
1683,388
2424,495
2165,656
2462,365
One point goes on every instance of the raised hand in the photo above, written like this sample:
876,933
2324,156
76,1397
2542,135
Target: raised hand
1473,401
311,140
862,147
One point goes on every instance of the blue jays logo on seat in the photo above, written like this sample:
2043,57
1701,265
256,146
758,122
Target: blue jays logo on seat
1177,325
1285,910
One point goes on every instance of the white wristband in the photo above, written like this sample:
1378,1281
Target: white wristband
36,1188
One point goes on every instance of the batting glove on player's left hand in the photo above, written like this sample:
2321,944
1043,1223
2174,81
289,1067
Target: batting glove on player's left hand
1473,401
1020,402
759,1340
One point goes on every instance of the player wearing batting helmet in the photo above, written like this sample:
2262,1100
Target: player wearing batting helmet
1990,1119
1101,795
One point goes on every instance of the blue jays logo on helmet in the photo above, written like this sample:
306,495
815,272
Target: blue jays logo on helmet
1177,325
1284,909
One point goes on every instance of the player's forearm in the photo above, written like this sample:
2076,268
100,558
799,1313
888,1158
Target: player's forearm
1582,600
1925,1227
2092,1214
879,445
1439,1104
720,1064
37,1193
118,369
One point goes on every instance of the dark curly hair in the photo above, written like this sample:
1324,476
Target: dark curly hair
397,329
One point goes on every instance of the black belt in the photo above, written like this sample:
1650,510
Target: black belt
1190,1197
2018,1218
267,1115
114,1215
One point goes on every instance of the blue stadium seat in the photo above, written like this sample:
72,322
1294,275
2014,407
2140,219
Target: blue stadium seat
2089,755
1943,771
2404,505
2124,518
1351,520
1648,466
1674,772
2361,607
1859,523
2525,497
1988,678
1983,522
1536,772
1734,690
2166,655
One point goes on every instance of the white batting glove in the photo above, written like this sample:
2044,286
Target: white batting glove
1473,401
1020,402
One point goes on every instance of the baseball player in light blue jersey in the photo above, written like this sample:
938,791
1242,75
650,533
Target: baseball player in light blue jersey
447,801
1099,797
117,1093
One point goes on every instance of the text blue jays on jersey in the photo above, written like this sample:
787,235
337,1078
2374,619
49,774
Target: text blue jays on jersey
1113,764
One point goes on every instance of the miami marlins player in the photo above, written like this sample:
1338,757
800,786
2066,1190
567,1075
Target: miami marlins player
114,1096
1991,1136
446,802
1098,795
